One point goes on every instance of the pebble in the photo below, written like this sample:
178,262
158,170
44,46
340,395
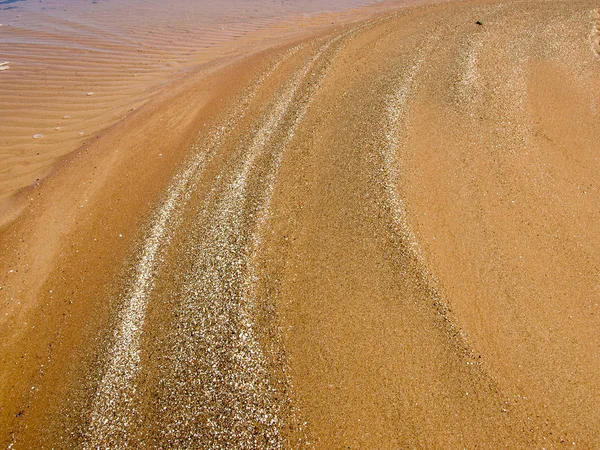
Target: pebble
38,136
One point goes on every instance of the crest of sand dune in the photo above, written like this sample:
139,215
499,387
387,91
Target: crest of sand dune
380,234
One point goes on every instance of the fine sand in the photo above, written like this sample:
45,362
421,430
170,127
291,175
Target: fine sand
75,68
375,233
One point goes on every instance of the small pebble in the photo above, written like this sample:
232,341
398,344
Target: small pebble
38,136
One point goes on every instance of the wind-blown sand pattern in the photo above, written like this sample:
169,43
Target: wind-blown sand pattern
376,233
79,68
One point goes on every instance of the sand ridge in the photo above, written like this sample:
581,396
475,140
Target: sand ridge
380,237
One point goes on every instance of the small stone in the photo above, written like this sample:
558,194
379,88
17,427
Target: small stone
38,136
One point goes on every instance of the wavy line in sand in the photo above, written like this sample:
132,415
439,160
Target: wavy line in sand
112,411
238,395
115,391
394,129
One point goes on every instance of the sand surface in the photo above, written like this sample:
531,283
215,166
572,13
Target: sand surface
75,68
377,233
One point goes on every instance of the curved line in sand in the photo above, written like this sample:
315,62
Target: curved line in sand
222,284
115,390
396,109
111,415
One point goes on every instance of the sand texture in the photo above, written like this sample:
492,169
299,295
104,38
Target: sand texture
381,235
77,68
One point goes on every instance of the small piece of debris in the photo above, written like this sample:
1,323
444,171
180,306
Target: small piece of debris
38,136
479,22
80,133
4,65
66,117
57,128
89,93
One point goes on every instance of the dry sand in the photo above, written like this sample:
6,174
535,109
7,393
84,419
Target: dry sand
379,236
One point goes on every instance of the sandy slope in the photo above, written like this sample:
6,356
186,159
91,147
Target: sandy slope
381,237
76,68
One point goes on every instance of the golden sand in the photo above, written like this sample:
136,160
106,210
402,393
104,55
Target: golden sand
382,235
78,68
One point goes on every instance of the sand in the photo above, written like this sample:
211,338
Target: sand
78,68
377,234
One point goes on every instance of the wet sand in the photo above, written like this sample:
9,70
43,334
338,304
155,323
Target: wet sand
77,68
379,236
